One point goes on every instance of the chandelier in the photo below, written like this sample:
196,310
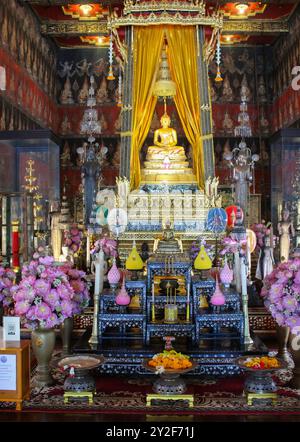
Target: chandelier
90,124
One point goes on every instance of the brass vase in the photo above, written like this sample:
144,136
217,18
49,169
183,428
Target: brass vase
295,353
282,334
43,342
66,336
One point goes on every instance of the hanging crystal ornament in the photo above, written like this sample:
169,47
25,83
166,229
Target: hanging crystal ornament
243,130
218,60
119,104
110,72
90,124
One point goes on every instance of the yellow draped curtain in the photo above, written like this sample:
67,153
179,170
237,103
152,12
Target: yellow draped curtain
182,52
182,45
147,44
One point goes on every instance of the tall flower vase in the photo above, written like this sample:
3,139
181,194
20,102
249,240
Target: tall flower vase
282,334
295,353
66,336
43,342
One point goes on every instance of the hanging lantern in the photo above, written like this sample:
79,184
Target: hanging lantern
218,61
110,72
119,104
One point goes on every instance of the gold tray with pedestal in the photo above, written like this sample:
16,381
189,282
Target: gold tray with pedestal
259,384
169,386
82,384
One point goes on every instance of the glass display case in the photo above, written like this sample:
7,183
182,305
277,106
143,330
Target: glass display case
16,227
285,173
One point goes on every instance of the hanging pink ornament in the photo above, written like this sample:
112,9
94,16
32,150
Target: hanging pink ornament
122,297
114,275
217,298
226,274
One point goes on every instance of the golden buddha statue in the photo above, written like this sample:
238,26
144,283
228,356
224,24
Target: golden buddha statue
165,140
165,161
168,244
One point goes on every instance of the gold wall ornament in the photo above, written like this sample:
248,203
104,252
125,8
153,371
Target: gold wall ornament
74,28
164,5
256,26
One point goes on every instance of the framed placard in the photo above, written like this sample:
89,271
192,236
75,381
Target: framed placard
15,372
11,328
8,372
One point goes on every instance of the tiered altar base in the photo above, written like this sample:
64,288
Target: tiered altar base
179,172
152,205
214,358
212,337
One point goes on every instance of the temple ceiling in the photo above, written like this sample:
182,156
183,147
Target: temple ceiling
77,23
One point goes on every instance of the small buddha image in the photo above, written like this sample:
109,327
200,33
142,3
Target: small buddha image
264,124
213,93
117,123
66,155
116,158
245,91
65,126
102,92
66,96
261,90
218,152
227,94
103,122
264,155
226,153
227,124
168,244
84,92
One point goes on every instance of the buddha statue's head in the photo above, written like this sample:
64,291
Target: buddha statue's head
165,120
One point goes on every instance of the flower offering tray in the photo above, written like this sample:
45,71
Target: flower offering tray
80,378
169,382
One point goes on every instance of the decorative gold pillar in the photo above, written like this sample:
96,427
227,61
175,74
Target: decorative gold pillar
126,118
206,109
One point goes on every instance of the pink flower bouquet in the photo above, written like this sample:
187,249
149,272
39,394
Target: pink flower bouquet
261,230
44,297
109,247
230,245
7,280
73,239
78,283
281,293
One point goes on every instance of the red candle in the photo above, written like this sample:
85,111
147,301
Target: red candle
15,246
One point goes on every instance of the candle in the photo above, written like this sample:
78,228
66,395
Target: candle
99,272
97,277
88,251
153,304
102,262
188,293
15,245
